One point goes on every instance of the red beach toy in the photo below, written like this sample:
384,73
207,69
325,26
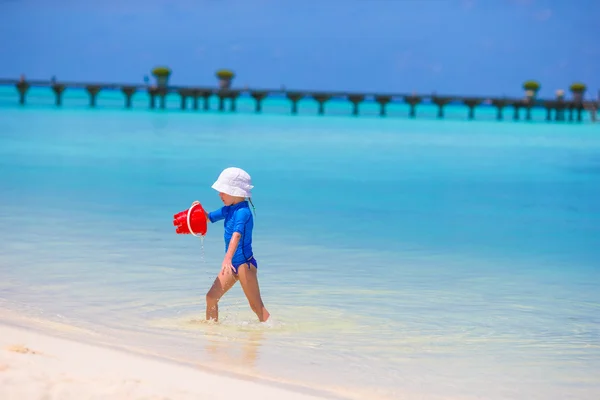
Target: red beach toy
192,220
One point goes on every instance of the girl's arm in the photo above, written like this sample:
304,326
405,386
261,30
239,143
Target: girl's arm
214,216
240,219
233,244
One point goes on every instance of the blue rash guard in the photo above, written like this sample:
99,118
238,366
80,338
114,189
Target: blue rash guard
238,218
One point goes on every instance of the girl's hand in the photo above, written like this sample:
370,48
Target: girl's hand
226,266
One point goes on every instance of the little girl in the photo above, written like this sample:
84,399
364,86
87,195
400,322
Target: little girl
234,186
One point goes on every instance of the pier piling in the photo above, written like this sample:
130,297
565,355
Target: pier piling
571,108
22,88
356,99
93,91
294,98
549,106
578,108
516,108
441,103
183,96
195,94
128,91
233,96
472,103
206,94
162,94
321,98
152,92
259,96
159,92
58,89
499,104
527,105
222,94
383,102
413,101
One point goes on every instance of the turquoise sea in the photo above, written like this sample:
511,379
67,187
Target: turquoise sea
400,258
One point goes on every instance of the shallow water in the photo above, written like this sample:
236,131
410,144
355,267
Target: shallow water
418,258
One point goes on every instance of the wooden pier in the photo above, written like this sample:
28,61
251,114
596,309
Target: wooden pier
556,109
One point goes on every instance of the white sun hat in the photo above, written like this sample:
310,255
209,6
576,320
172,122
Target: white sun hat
234,182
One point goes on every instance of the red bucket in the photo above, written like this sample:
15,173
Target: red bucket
191,221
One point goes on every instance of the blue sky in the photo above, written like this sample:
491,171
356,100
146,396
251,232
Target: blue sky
474,47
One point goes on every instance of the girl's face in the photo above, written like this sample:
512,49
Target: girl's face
225,198
229,200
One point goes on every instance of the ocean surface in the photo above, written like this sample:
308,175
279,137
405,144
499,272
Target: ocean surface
400,258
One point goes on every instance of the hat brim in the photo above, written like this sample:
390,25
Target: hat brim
231,190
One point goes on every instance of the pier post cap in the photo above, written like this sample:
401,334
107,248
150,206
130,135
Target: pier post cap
295,96
356,97
259,94
440,100
552,103
320,96
157,90
58,87
22,85
93,88
383,98
472,100
413,99
128,89
227,93
499,102
184,92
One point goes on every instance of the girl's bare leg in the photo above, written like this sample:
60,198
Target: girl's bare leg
249,279
223,282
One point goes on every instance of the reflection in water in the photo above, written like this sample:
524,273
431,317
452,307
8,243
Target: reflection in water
241,352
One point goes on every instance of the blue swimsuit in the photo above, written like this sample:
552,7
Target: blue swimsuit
238,218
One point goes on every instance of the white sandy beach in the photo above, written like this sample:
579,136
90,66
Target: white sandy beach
36,366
